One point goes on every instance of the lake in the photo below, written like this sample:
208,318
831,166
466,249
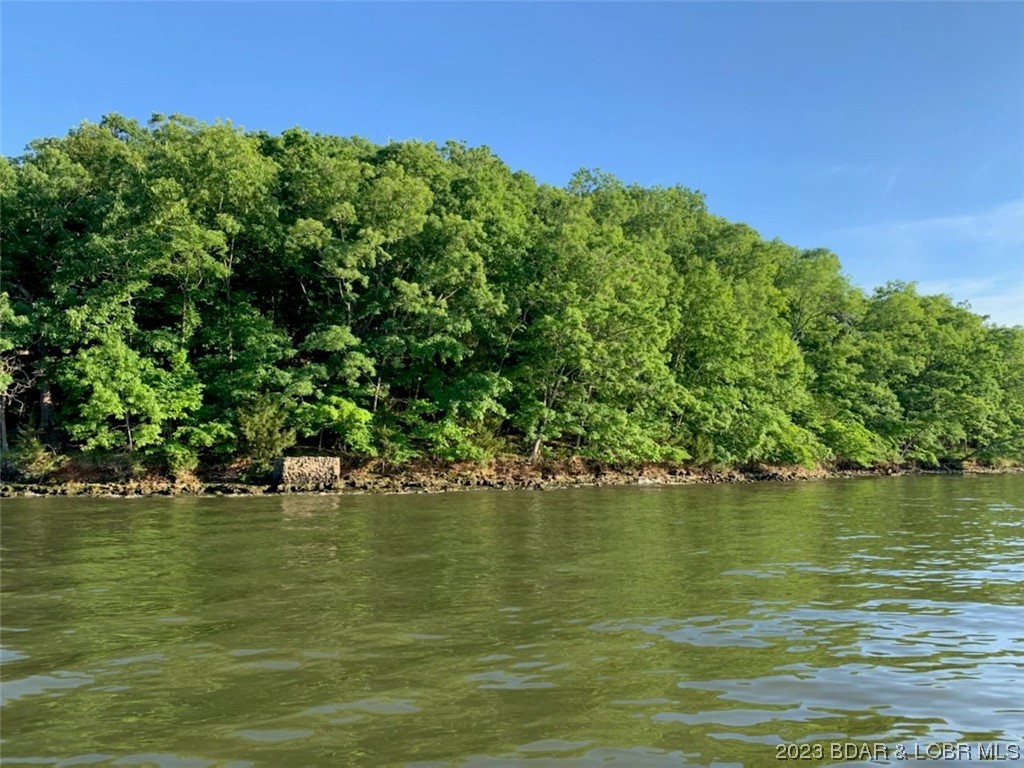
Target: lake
698,625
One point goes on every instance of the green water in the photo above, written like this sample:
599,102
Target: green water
632,626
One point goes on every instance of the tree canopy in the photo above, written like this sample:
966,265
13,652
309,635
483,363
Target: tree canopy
195,292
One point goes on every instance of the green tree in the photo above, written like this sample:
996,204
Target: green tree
186,291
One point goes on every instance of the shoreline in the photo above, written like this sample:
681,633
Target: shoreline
499,475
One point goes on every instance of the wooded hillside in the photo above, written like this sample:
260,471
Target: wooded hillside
194,293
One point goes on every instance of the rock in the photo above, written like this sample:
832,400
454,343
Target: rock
307,471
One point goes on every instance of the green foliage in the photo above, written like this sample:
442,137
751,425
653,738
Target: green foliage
855,443
346,421
394,446
28,458
179,457
188,291
262,426
123,398
16,375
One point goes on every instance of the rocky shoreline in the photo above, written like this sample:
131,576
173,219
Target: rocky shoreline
499,475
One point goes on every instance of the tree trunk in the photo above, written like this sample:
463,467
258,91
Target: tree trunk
376,395
47,412
3,427
535,453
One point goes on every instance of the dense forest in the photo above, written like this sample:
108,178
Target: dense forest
192,294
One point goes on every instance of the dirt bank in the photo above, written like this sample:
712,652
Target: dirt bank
500,475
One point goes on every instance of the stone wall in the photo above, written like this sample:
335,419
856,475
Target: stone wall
307,471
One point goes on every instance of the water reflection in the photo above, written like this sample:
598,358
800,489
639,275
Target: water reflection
633,626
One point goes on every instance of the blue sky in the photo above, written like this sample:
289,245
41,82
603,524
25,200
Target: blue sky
891,133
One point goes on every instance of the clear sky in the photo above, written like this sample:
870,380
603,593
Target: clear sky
891,133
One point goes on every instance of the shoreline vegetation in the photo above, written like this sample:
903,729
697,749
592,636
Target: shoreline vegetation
183,298
502,474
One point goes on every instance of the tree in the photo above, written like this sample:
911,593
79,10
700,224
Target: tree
184,291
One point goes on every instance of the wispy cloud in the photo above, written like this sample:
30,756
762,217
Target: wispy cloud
850,169
835,170
1002,225
890,182
977,257
881,174
1001,298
